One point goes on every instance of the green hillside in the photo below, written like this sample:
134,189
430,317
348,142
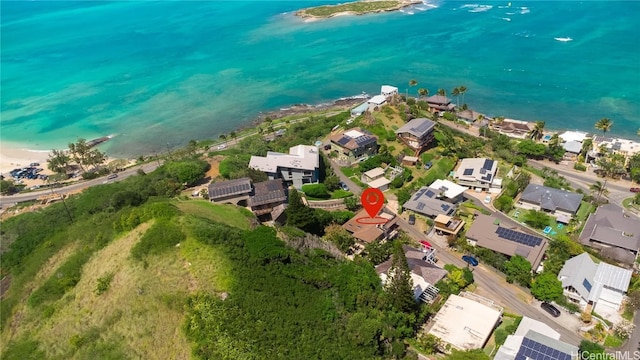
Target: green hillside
132,272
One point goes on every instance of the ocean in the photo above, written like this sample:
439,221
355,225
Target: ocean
161,73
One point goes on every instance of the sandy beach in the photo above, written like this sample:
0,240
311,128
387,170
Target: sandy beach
16,156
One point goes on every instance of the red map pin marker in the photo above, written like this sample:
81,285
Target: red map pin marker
372,200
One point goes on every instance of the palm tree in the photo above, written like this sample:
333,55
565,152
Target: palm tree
462,89
223,137
600,189
442,92
456,92
425,92
604,124
538,129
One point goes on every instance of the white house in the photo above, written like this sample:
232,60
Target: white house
300,166
601,286
478,173
376,101
388,90
466,321
375,179
450,191
578,136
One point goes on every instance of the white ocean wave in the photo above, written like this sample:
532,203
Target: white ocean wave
563,39
506,19
474,8
524,10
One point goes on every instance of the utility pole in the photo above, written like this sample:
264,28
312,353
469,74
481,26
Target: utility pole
63,202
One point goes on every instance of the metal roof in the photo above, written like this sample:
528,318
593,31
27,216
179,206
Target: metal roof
551,199
229,188
417,127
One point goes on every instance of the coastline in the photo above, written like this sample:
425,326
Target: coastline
16,155
303,13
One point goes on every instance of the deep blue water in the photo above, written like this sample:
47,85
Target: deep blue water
167,72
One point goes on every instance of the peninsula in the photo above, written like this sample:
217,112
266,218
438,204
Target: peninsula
354,8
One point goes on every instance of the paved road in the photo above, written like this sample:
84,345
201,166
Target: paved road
6,201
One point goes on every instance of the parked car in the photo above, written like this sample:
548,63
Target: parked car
635,190
412,219
487,199
470,260
112,176
343,186
550,309
222,147
428,165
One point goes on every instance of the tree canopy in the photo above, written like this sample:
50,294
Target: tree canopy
546,287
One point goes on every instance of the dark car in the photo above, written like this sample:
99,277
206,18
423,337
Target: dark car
470,260
412,219
343,186
550,309
635,190
112,176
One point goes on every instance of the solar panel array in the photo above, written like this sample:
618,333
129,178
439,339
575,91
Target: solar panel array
488,164
430,193
468,172
420,206
586,284
229,188
445,207
520,238
365,140
419,193
533,350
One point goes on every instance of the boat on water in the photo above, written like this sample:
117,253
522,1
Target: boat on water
563,39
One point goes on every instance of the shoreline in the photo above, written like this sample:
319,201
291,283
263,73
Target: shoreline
303,13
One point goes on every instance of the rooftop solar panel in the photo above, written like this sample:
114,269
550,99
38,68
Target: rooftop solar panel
420,206
468,172
488,164
533,350
518,237
430,193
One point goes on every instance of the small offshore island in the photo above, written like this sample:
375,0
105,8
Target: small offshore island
354,8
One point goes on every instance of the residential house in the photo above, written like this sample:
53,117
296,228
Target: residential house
358,110
513,128
367,230
450,191
469,116
572,149
375,179
578,136
376,102
236,192
300,166
479,173
487,232
417,134
561,204
535,340
448,225
594,286
268,200
466,321
428,202
353,145
424,274
613,231
624,147
388,90
439,103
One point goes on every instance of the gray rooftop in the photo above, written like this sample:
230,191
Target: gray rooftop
588,278
552,199
611,225
417,127
429,272
303,157
482,170
268,192
438,99
229,188
573,146
425,201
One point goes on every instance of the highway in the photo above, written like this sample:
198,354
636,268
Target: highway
7,201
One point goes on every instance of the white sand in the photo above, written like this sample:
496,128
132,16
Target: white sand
15,156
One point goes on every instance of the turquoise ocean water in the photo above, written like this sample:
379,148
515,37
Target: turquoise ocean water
166,72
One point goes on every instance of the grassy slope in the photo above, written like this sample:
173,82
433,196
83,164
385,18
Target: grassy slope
142,313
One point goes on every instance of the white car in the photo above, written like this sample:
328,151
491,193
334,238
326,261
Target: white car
222,147
487,199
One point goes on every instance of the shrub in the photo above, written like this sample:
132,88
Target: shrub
580,167
161,236
318,191
104,283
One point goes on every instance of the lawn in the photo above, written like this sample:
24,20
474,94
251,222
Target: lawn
613,341
224,213
628,203
584,210
340,194
348,171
